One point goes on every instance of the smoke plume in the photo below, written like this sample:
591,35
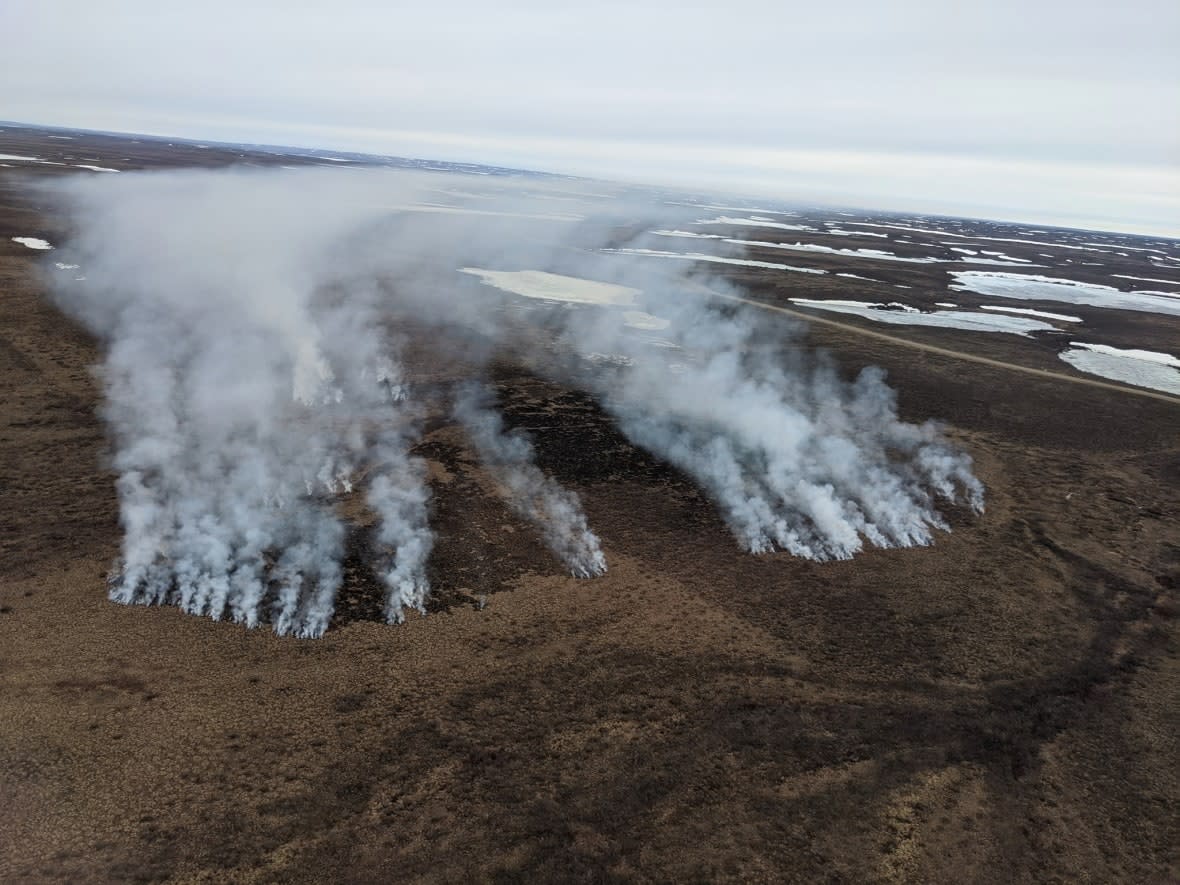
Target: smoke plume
257,327
796,458
532,494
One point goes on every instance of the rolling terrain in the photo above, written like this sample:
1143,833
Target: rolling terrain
999,706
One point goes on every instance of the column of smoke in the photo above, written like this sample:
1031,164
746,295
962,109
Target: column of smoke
795,457
534,495
243,394
250,378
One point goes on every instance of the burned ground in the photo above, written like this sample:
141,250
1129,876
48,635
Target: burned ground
1001,705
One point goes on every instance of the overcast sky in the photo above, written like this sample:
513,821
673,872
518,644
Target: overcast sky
1056,111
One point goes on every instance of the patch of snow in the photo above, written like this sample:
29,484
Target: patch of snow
1028,311
1000,256
555,287
949,233
995,262
637,319
735,208
1033,287
754,222
1151,356
687,233
840,232
718,259
32,242
834,303
913,230
661,342
94,168
1143,368
947,319
877,254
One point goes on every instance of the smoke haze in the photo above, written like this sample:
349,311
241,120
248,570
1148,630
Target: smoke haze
538,497
254,324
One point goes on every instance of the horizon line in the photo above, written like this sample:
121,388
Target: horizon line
368,155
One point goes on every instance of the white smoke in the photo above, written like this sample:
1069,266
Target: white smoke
399,495
533,494
796,458
243,395
254,320
817,476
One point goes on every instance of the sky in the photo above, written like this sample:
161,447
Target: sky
1049,111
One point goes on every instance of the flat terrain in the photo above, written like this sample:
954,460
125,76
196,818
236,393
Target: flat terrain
1001,706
